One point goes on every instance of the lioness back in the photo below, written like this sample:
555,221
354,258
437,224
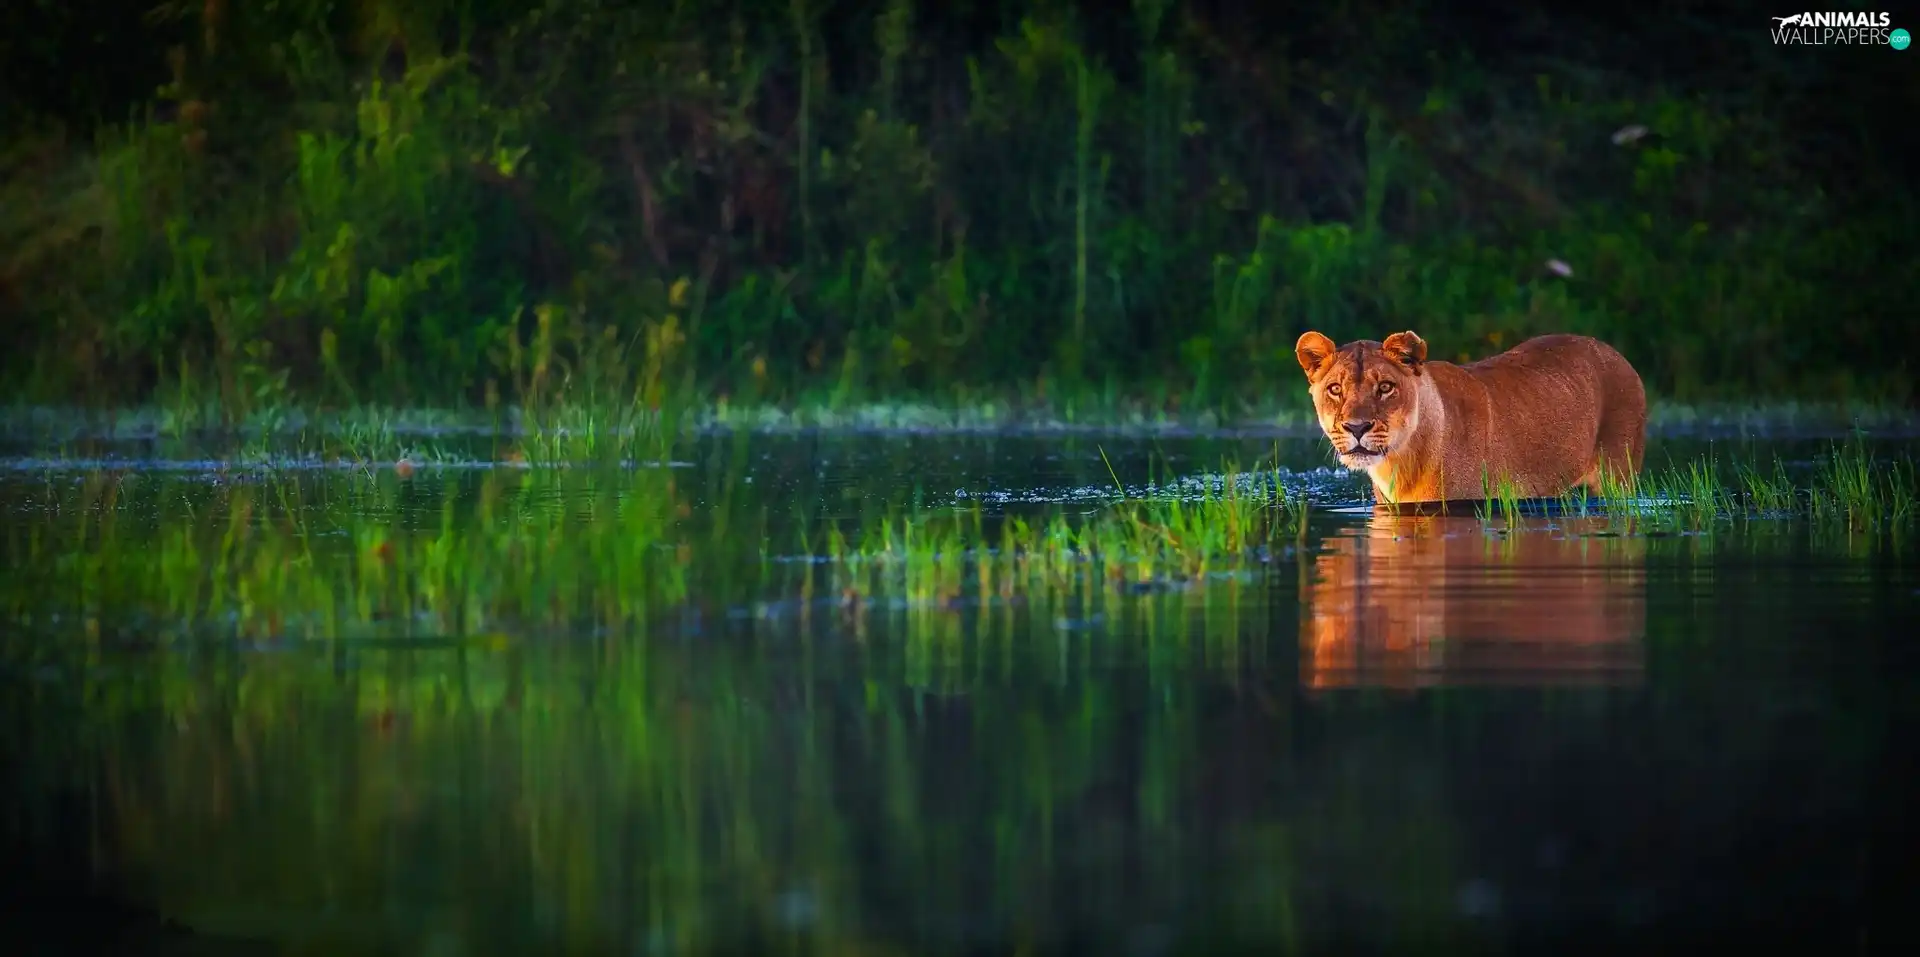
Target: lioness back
1549,414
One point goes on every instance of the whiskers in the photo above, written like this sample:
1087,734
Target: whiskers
1358,453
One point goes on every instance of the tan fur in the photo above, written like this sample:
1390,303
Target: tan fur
1545,416
1419,601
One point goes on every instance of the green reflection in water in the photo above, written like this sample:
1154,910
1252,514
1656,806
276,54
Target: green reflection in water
581,711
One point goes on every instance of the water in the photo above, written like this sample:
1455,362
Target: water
1384,733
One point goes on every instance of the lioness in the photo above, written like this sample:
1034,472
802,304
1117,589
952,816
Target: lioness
1547,415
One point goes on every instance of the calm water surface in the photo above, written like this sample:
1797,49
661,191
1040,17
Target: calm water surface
1394,734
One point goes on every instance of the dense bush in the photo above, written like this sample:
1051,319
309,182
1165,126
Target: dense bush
428,201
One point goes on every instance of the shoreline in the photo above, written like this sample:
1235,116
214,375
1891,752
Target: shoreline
1667,420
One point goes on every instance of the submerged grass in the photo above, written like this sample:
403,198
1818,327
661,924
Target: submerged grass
1500,495
1862,490
1768,494
591,549
1849,485
961,555
602,546
348,558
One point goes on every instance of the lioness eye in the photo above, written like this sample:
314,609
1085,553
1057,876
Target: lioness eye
1333,389
1386,389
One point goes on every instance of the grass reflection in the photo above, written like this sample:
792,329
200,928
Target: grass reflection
642,709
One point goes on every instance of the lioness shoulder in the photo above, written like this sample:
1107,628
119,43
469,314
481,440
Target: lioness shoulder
1550,414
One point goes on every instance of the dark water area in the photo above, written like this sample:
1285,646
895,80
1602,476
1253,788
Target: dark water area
1384,734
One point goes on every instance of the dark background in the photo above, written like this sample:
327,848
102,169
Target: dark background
349,201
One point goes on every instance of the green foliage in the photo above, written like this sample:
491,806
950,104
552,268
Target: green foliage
1851,487
558,537
371,202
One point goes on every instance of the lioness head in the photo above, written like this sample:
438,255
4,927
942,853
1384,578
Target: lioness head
1364,393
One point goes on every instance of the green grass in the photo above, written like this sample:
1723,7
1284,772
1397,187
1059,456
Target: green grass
1848,486
1699,498
1499,495
1125,542
1863,491
546,548
252,562
462,671
1030,214
1769,493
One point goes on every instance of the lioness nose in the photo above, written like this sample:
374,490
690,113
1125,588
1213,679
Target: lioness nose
1359,430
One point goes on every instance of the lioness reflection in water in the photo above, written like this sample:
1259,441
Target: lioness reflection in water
1413,601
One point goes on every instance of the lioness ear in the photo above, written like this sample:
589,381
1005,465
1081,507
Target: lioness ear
1407,349
1312,349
